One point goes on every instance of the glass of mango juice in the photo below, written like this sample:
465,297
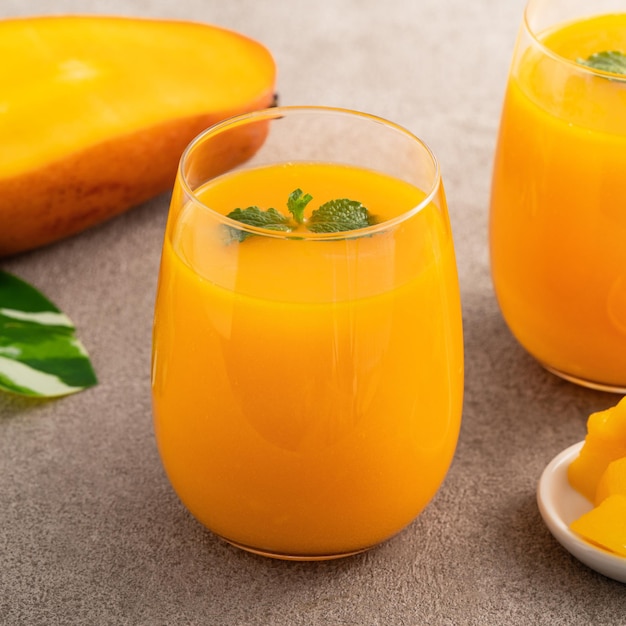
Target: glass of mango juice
558,214
307,352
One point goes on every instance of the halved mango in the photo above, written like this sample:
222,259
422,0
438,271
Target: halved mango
605,442
95,113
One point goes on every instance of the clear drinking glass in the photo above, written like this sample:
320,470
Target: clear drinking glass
307,386
558,218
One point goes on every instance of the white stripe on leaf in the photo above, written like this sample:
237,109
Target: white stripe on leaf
38,383
45,318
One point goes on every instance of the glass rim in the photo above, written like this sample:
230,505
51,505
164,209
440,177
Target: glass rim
277,112
583,69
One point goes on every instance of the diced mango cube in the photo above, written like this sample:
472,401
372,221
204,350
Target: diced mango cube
609,424
605,442
605,525
612,481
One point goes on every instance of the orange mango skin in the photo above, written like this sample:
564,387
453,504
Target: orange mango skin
50,191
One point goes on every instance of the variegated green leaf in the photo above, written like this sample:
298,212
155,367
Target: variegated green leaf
40,355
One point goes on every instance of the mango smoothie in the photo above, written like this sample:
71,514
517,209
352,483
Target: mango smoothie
558,222
307,389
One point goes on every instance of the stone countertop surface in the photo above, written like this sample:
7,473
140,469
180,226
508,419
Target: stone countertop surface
91,532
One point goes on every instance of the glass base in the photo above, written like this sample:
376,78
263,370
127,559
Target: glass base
590,384
294,557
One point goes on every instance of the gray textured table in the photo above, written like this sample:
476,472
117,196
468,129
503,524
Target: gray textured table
90,531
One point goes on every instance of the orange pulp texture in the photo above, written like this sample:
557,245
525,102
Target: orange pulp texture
307,394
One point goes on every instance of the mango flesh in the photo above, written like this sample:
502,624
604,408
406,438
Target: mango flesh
605,442
612,482
95,113
605,525
599,473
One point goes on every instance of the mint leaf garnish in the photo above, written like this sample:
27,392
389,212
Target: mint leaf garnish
339,215
40,355
296,203
334,216
254,216
611,61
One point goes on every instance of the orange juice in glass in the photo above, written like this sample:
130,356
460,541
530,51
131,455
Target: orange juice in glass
308,364
558,215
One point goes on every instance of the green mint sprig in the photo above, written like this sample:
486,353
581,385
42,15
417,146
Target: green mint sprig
296,203
611,61
334,216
